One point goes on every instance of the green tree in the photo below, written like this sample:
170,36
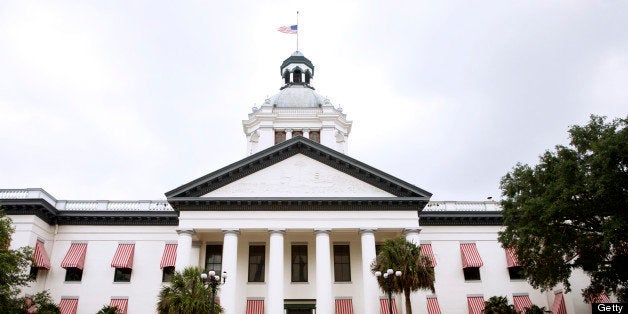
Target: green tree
570,211
40,303
399,254
535,309
186,294
108,309
14,265
498,305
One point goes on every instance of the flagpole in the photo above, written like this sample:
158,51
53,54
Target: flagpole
297,30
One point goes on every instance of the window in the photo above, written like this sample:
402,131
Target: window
315,136
286,77
280,136
515,272
297,133
122,275
213,258
256,263
308,75
73,274
299,263
33,272
167,273
342,263
296,76
471,273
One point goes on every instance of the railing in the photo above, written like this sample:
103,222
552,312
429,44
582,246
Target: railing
462,206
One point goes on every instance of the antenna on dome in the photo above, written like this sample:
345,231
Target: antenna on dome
297,30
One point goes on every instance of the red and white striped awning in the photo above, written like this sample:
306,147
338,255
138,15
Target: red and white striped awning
383,306
522,302
476,305
559,304
344,306
511,259
121,304
41,257
432,306
470,255
601,298
75,257
170,256
124,256
254,306
426,249
68,306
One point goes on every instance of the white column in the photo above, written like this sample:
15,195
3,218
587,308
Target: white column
230,265
288,134
184,248
306,133
412,235
369,286
275,272
324,301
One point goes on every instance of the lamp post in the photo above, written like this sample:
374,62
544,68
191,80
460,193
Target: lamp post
388,277
212,281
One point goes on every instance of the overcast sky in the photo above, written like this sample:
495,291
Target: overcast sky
130,99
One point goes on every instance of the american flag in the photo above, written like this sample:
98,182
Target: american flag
288,29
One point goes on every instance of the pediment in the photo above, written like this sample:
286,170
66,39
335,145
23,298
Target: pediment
324,168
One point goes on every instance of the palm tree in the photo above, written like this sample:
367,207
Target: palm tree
108,309
186,294
498,305
399,254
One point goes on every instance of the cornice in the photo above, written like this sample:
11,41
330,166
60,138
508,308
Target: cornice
460,218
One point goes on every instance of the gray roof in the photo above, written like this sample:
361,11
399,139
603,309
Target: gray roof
297,96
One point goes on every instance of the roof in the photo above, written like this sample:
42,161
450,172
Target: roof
296,57
299,145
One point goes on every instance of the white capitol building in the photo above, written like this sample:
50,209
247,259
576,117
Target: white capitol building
295,225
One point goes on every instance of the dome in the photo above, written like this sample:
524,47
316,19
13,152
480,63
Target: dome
297,96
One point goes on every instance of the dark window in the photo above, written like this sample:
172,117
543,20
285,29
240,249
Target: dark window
471,273
515,272
167,273
280,136
256,263
296,76
315,136
122,275
213,258
286,77
307,77
297,133
299,263
33,273
378,248
342,263
73,274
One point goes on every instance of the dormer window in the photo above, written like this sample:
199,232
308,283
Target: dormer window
296,76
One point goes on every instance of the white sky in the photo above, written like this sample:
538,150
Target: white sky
130,99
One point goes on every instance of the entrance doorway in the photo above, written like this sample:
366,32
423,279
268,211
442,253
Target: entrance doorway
299,311
300,306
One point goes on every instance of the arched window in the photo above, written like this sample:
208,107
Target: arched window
308,75
286,77
296,76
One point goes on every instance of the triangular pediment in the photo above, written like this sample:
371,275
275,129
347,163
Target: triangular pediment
291,162
299,176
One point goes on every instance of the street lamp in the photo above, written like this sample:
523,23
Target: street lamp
388,277
212,280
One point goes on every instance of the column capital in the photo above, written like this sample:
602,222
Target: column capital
322,231
411,230
277,231
231,231
367,231
185,231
